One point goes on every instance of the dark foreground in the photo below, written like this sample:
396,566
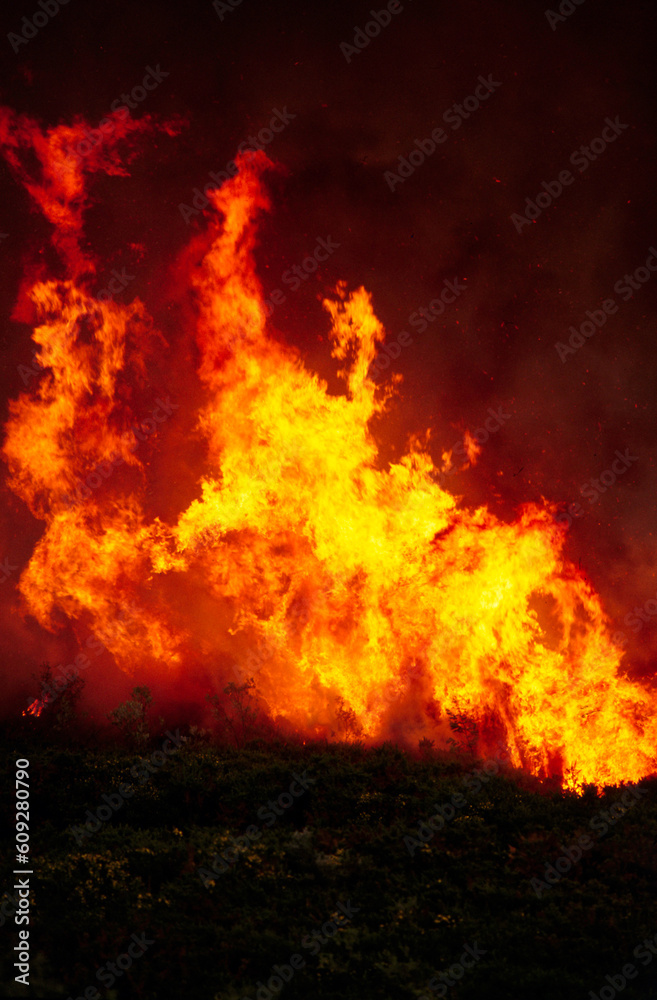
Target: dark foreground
319,895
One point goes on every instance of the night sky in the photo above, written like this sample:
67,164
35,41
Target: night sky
553,84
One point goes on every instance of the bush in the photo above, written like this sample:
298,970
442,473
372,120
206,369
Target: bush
131,719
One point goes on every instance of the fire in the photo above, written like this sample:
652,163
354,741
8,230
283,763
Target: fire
353,588
35,708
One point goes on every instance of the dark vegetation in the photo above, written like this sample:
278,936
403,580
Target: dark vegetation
341,841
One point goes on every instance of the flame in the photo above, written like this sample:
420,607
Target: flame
472,448
349,587
35,708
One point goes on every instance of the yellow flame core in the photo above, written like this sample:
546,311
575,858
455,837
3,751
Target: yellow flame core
369,587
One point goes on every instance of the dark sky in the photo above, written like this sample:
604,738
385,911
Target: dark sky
555,86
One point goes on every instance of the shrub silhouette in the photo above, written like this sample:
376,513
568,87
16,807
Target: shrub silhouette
237,714
131,718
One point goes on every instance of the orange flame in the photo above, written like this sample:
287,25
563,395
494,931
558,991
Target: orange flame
350,587
36,708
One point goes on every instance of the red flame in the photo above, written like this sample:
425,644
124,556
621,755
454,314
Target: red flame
350,589
36,708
